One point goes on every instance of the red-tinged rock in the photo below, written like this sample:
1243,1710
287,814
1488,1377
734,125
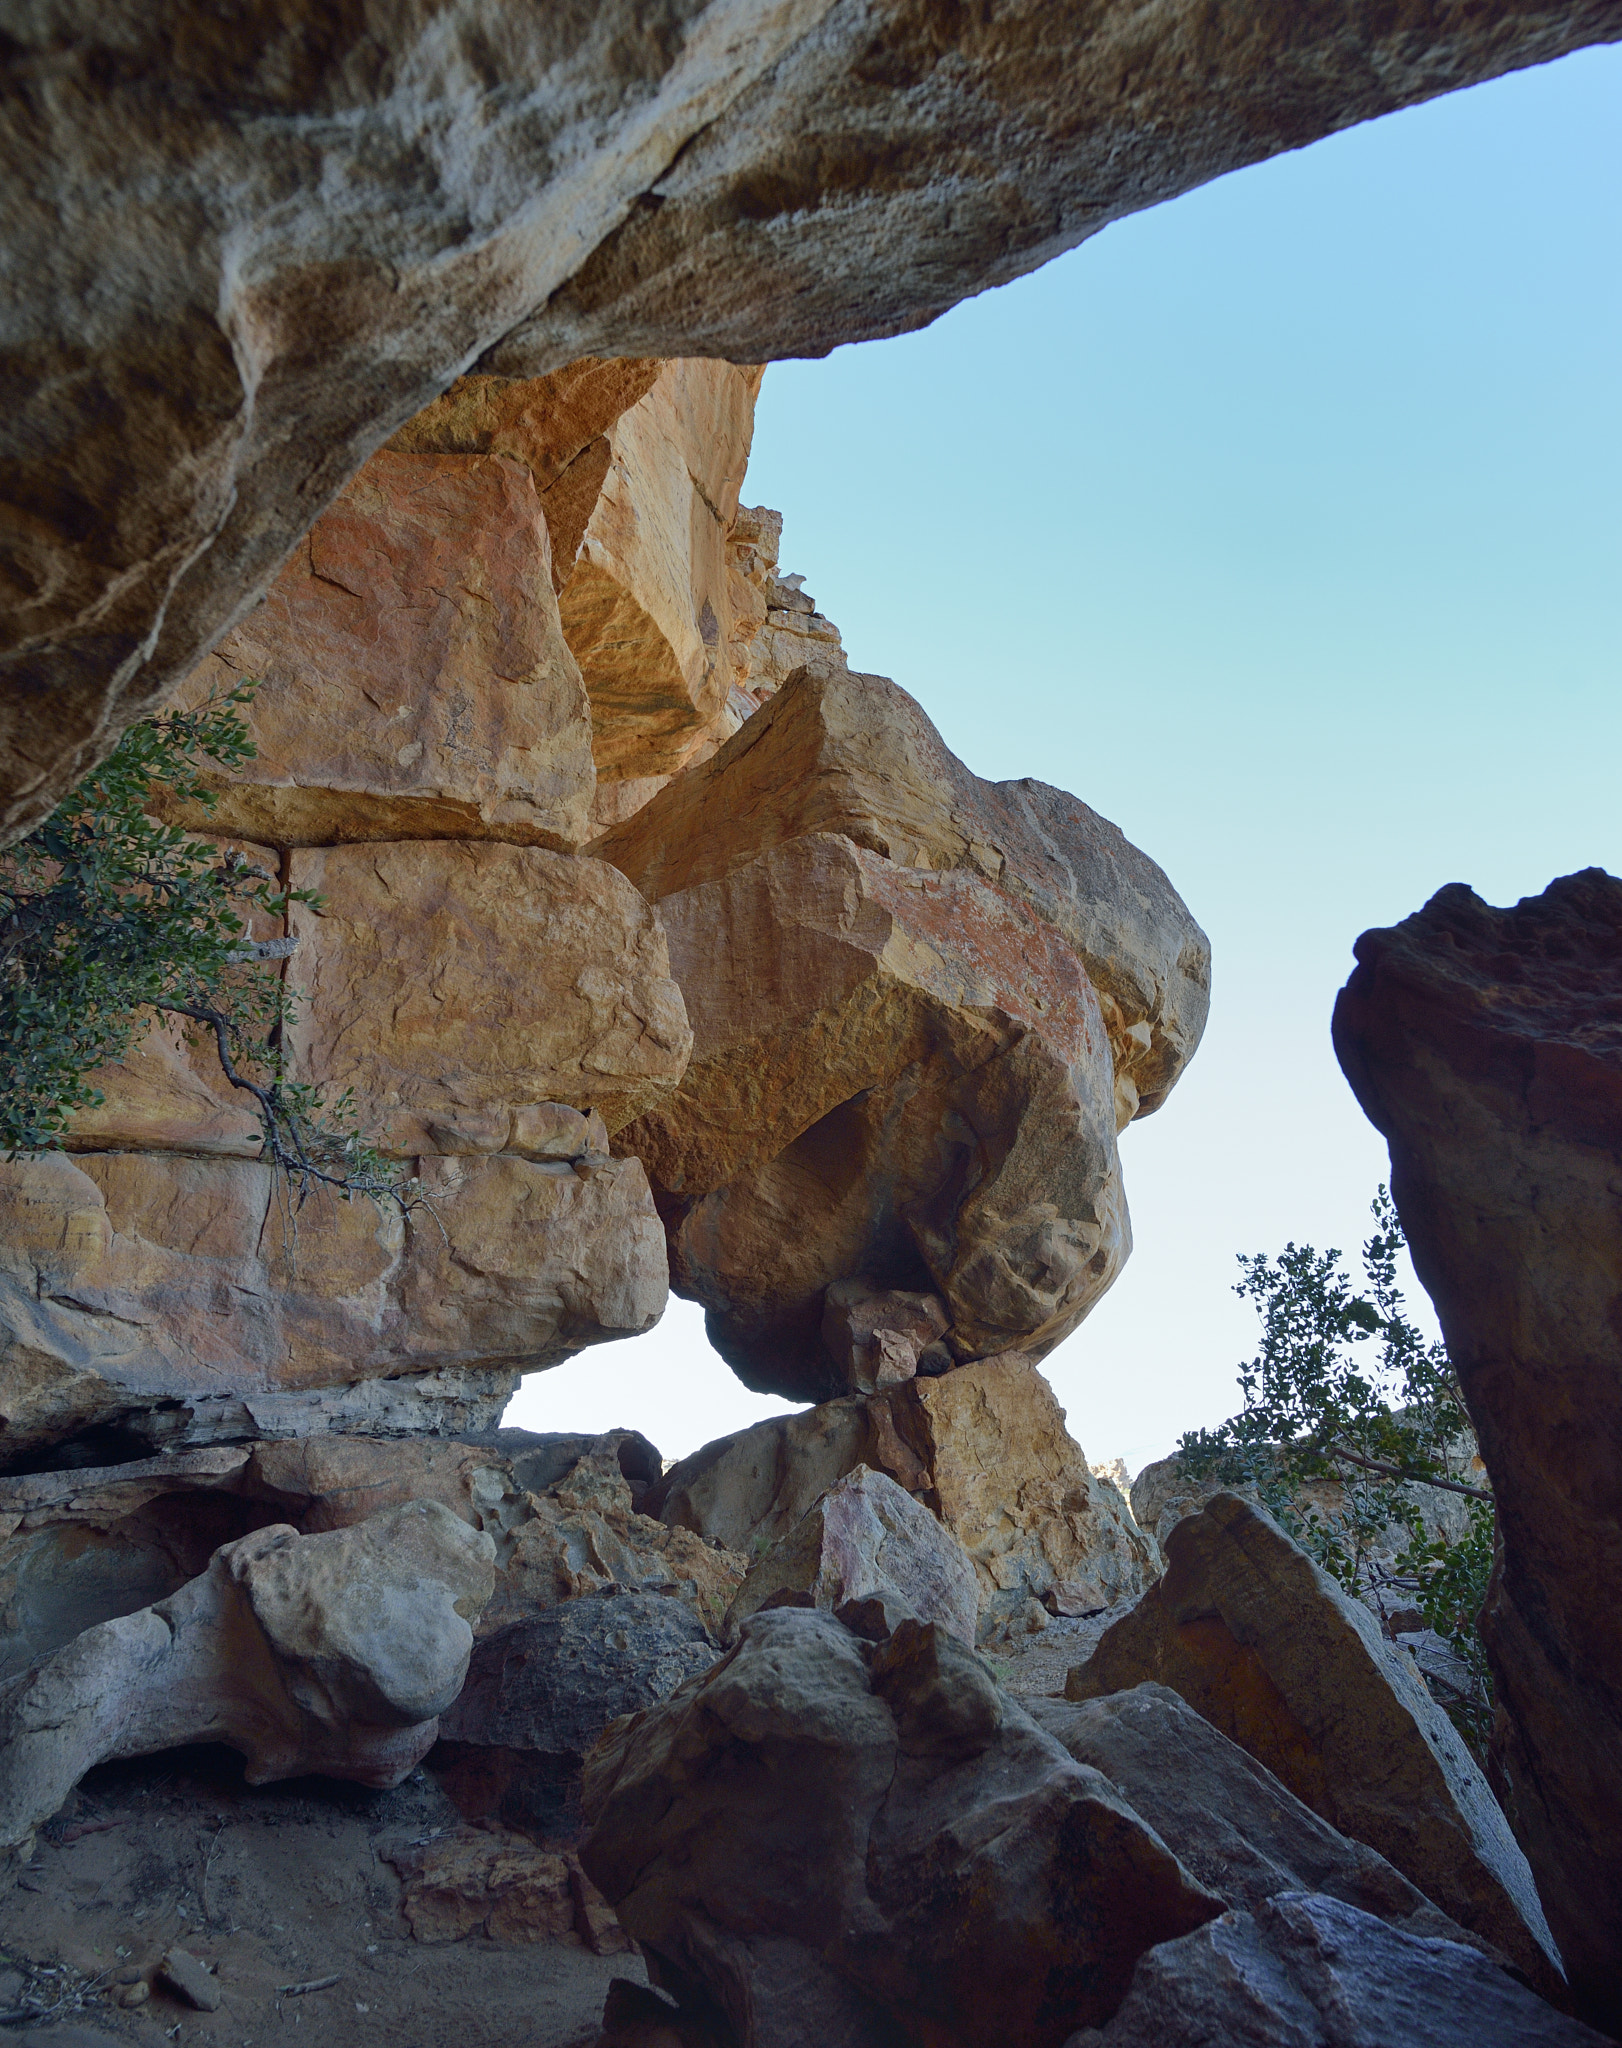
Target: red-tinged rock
1486,1045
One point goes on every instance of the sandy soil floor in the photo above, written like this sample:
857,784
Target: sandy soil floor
273,1885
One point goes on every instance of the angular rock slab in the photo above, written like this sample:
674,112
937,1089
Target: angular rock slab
1486,1045
1225,1817
332,1654
451,985
1311,1972
984,1447
824,1839
647,605
872,1555
1270,1650
155,1291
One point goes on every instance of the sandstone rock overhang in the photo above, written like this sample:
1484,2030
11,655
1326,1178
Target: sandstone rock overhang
243,251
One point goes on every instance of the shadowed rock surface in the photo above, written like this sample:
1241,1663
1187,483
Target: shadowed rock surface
1487,1046
1226,1818
824,1839
707,179
1310,1972
332,1654
1270,1650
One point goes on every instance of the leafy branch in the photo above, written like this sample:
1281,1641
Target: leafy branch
1347,1410
108,918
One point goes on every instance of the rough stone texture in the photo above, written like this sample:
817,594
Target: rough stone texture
922,1006
1270,1650
872,1555
821,1837
551,1683
1485,1045
1224,1816
857,757
330,1654
647,607
336,215
450,985
556,427
984,1447
485,1882
84,1546
879,1336
1312,1972
414,681
114,1268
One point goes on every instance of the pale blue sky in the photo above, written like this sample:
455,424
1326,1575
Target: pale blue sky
1281,524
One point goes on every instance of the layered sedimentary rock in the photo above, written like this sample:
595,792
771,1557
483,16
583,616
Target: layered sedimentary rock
116,1266
333,1654
1270,1650
822,1836
714,179
983,1447
1486,1045
922,1007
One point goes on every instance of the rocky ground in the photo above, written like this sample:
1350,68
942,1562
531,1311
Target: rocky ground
271,1887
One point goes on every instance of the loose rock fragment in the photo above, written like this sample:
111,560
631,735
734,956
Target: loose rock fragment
870,1553
192,1979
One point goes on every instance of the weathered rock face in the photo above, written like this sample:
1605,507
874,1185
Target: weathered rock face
453,986
414,681
1304,1970
86,1546
172,440
113,1267
647,607
984,1447
332,1653
1270,1650
550,1684
1224,1816
871,1555
922,1006
1485,1045
821,1838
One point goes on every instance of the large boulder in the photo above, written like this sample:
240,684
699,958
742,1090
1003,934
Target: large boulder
1271,1651
1226,1817
1312,1972
922,1005
872,1555
827,1840
1487,1046
332,1654
335,216
984,1447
